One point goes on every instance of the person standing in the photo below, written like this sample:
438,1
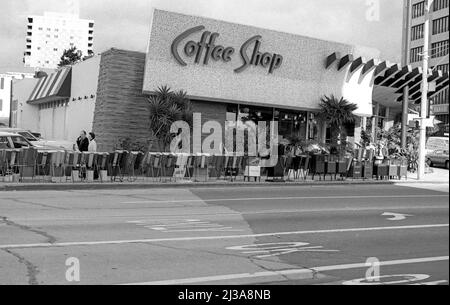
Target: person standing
92,143
83,142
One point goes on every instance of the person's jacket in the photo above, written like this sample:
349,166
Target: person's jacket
83,144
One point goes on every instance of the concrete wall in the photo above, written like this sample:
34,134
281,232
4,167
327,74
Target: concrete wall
121,109
5,97
27,115
80,111
298,84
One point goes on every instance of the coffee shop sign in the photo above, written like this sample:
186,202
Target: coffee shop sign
206,49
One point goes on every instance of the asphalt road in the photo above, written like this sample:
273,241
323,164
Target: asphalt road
370,234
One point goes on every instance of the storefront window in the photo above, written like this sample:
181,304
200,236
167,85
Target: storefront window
256,114
313,128
291,124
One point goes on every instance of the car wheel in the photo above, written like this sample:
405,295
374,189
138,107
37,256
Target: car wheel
430,164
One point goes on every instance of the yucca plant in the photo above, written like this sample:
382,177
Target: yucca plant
337,112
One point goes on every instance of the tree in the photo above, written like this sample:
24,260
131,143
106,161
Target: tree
337,113
70,57
167,107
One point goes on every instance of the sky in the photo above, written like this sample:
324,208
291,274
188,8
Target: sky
125,24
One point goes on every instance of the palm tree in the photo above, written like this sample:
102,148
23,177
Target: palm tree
337,113
167,107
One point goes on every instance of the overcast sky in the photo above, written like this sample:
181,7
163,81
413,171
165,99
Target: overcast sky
125,23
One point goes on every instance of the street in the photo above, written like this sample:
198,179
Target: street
248,235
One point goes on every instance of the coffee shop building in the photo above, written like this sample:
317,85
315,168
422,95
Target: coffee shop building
228,70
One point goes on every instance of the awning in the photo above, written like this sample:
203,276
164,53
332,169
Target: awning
393,77
55,86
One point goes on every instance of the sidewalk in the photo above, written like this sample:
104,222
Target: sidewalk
438,176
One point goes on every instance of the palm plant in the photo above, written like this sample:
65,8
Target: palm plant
337,113
167,107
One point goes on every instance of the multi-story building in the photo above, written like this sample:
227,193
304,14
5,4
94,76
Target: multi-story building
413,45
5,93
49,35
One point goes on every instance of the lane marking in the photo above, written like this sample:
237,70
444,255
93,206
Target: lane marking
310,271
396,216
283,198
376,280
263,212
218,237
277,249
182,225
435,283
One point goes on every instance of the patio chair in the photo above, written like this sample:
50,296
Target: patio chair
56,165
114,166
101,165
289,168
305,163
330,167
201,167
28,163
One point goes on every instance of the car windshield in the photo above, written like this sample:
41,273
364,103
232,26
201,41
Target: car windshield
27,135
20,142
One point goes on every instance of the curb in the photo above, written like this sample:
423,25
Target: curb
126,186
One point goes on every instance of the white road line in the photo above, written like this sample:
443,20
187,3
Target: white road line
180,239
283,198
309,271
221,214
430,283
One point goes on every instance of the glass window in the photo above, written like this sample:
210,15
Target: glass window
443,68
2,83
291,124
440,25
20,142
418,9
440,4
27,136
1,104
439,49
417,32
4,143
416,54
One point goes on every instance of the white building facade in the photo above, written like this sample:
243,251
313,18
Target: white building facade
49,35
413,46
5,93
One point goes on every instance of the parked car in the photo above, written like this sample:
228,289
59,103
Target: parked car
11,141
39,142
437,143
438,158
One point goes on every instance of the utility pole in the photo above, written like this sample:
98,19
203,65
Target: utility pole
424,103
405,112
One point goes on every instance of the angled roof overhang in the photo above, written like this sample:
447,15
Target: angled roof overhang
53,87
389,79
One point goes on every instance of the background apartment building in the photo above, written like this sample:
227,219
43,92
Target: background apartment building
5,93
413,45
49,35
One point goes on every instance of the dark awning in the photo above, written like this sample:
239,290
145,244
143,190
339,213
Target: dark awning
55,86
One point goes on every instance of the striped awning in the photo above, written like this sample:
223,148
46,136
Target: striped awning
52,87
392,76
